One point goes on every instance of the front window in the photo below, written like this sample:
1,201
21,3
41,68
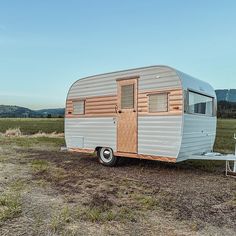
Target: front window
200,104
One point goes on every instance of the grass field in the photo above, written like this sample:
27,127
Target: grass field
224,135
44,191
33,125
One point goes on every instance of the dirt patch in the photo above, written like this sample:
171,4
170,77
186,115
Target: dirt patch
193,195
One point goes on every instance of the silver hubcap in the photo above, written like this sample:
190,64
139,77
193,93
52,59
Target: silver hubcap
106,154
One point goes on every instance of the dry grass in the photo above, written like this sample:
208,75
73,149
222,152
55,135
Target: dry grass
16,132
60,219
43,134
40,166
11,201
10,205
13,132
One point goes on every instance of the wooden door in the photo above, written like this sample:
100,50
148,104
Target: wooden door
127,115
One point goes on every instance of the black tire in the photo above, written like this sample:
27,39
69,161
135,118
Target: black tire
106,157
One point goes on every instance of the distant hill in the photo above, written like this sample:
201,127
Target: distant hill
20,112
228,95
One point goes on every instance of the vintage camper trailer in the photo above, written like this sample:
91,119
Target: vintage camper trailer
155,112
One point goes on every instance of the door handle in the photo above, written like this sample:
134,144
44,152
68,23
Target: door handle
116,108
134,110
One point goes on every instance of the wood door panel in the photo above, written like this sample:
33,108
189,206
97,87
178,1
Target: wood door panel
127,137
127,129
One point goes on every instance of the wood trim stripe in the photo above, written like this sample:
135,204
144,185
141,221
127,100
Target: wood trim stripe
146,157
128,155
170,113
81,150
105,106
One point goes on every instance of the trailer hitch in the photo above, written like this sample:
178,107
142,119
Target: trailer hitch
228,170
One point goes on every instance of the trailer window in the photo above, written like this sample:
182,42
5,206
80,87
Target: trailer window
78,107
127,96
200,104
158,102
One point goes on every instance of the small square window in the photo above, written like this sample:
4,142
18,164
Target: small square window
158,102
78,107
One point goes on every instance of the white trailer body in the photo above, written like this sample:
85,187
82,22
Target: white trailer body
155,112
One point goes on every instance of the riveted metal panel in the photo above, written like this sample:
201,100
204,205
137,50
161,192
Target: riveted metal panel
95,132
199,134
159,135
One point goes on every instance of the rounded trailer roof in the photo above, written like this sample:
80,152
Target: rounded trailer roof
191,83
187,81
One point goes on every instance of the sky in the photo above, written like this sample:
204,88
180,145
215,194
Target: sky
46,45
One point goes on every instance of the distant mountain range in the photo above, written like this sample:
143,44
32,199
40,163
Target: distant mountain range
228,95
16,111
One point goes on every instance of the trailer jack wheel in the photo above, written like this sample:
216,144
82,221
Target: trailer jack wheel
106,157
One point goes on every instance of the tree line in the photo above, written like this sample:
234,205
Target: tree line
226,109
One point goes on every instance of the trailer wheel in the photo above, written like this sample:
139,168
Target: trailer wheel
106,157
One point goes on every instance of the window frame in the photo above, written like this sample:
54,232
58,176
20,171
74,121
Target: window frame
186,103
78,100
167,102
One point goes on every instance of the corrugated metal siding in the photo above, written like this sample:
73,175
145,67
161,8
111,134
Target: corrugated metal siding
102,85
198,135
166,79
175,102
90,132
159,135
94,107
